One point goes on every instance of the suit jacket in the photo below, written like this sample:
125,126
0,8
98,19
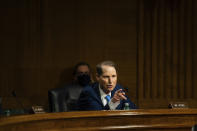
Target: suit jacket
90,99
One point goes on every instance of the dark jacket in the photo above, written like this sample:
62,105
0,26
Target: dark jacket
90,99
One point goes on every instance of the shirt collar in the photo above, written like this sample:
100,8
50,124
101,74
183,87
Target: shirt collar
102,93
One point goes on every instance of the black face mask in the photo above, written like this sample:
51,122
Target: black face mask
83,79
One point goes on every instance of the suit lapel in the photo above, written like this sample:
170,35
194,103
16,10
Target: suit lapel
97,94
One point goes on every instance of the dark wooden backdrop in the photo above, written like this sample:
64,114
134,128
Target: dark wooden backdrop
152,42
167,52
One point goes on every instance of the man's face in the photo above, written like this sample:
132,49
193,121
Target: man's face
108,79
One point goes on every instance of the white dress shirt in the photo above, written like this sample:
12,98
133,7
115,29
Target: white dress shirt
112,105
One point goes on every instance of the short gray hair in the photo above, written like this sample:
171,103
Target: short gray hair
104,63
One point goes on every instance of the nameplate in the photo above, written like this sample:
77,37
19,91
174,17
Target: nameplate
38,109
177,105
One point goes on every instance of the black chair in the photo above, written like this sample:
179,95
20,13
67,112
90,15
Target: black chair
64,98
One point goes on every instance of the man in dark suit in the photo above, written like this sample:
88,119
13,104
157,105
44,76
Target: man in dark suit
106,94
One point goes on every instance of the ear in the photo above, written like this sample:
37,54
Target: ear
97,77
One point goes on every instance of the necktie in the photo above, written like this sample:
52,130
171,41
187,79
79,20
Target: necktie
108,97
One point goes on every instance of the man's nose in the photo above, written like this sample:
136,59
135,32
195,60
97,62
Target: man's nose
110,80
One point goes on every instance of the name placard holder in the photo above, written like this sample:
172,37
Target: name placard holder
38,109
178,105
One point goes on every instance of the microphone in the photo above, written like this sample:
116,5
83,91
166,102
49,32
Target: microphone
1,110
125,89
17,100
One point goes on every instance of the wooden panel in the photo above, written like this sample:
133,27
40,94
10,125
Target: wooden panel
41,41
153,42
166,39
143,120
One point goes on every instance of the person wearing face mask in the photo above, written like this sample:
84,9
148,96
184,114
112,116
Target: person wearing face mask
105,94
82,75
65,98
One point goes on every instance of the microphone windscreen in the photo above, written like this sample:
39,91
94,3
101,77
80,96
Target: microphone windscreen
14,93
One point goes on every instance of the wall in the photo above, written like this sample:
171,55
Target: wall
152,42
167,52
43,40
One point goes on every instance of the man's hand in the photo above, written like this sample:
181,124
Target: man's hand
119,95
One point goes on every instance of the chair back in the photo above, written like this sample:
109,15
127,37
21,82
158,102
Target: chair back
64,98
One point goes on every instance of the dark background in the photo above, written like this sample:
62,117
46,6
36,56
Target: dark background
152,42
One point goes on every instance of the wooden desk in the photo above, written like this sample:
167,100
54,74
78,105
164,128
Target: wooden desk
141,119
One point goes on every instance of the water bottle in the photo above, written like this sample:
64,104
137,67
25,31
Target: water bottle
7,112
126,106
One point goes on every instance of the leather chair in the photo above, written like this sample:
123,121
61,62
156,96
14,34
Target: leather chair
64,98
